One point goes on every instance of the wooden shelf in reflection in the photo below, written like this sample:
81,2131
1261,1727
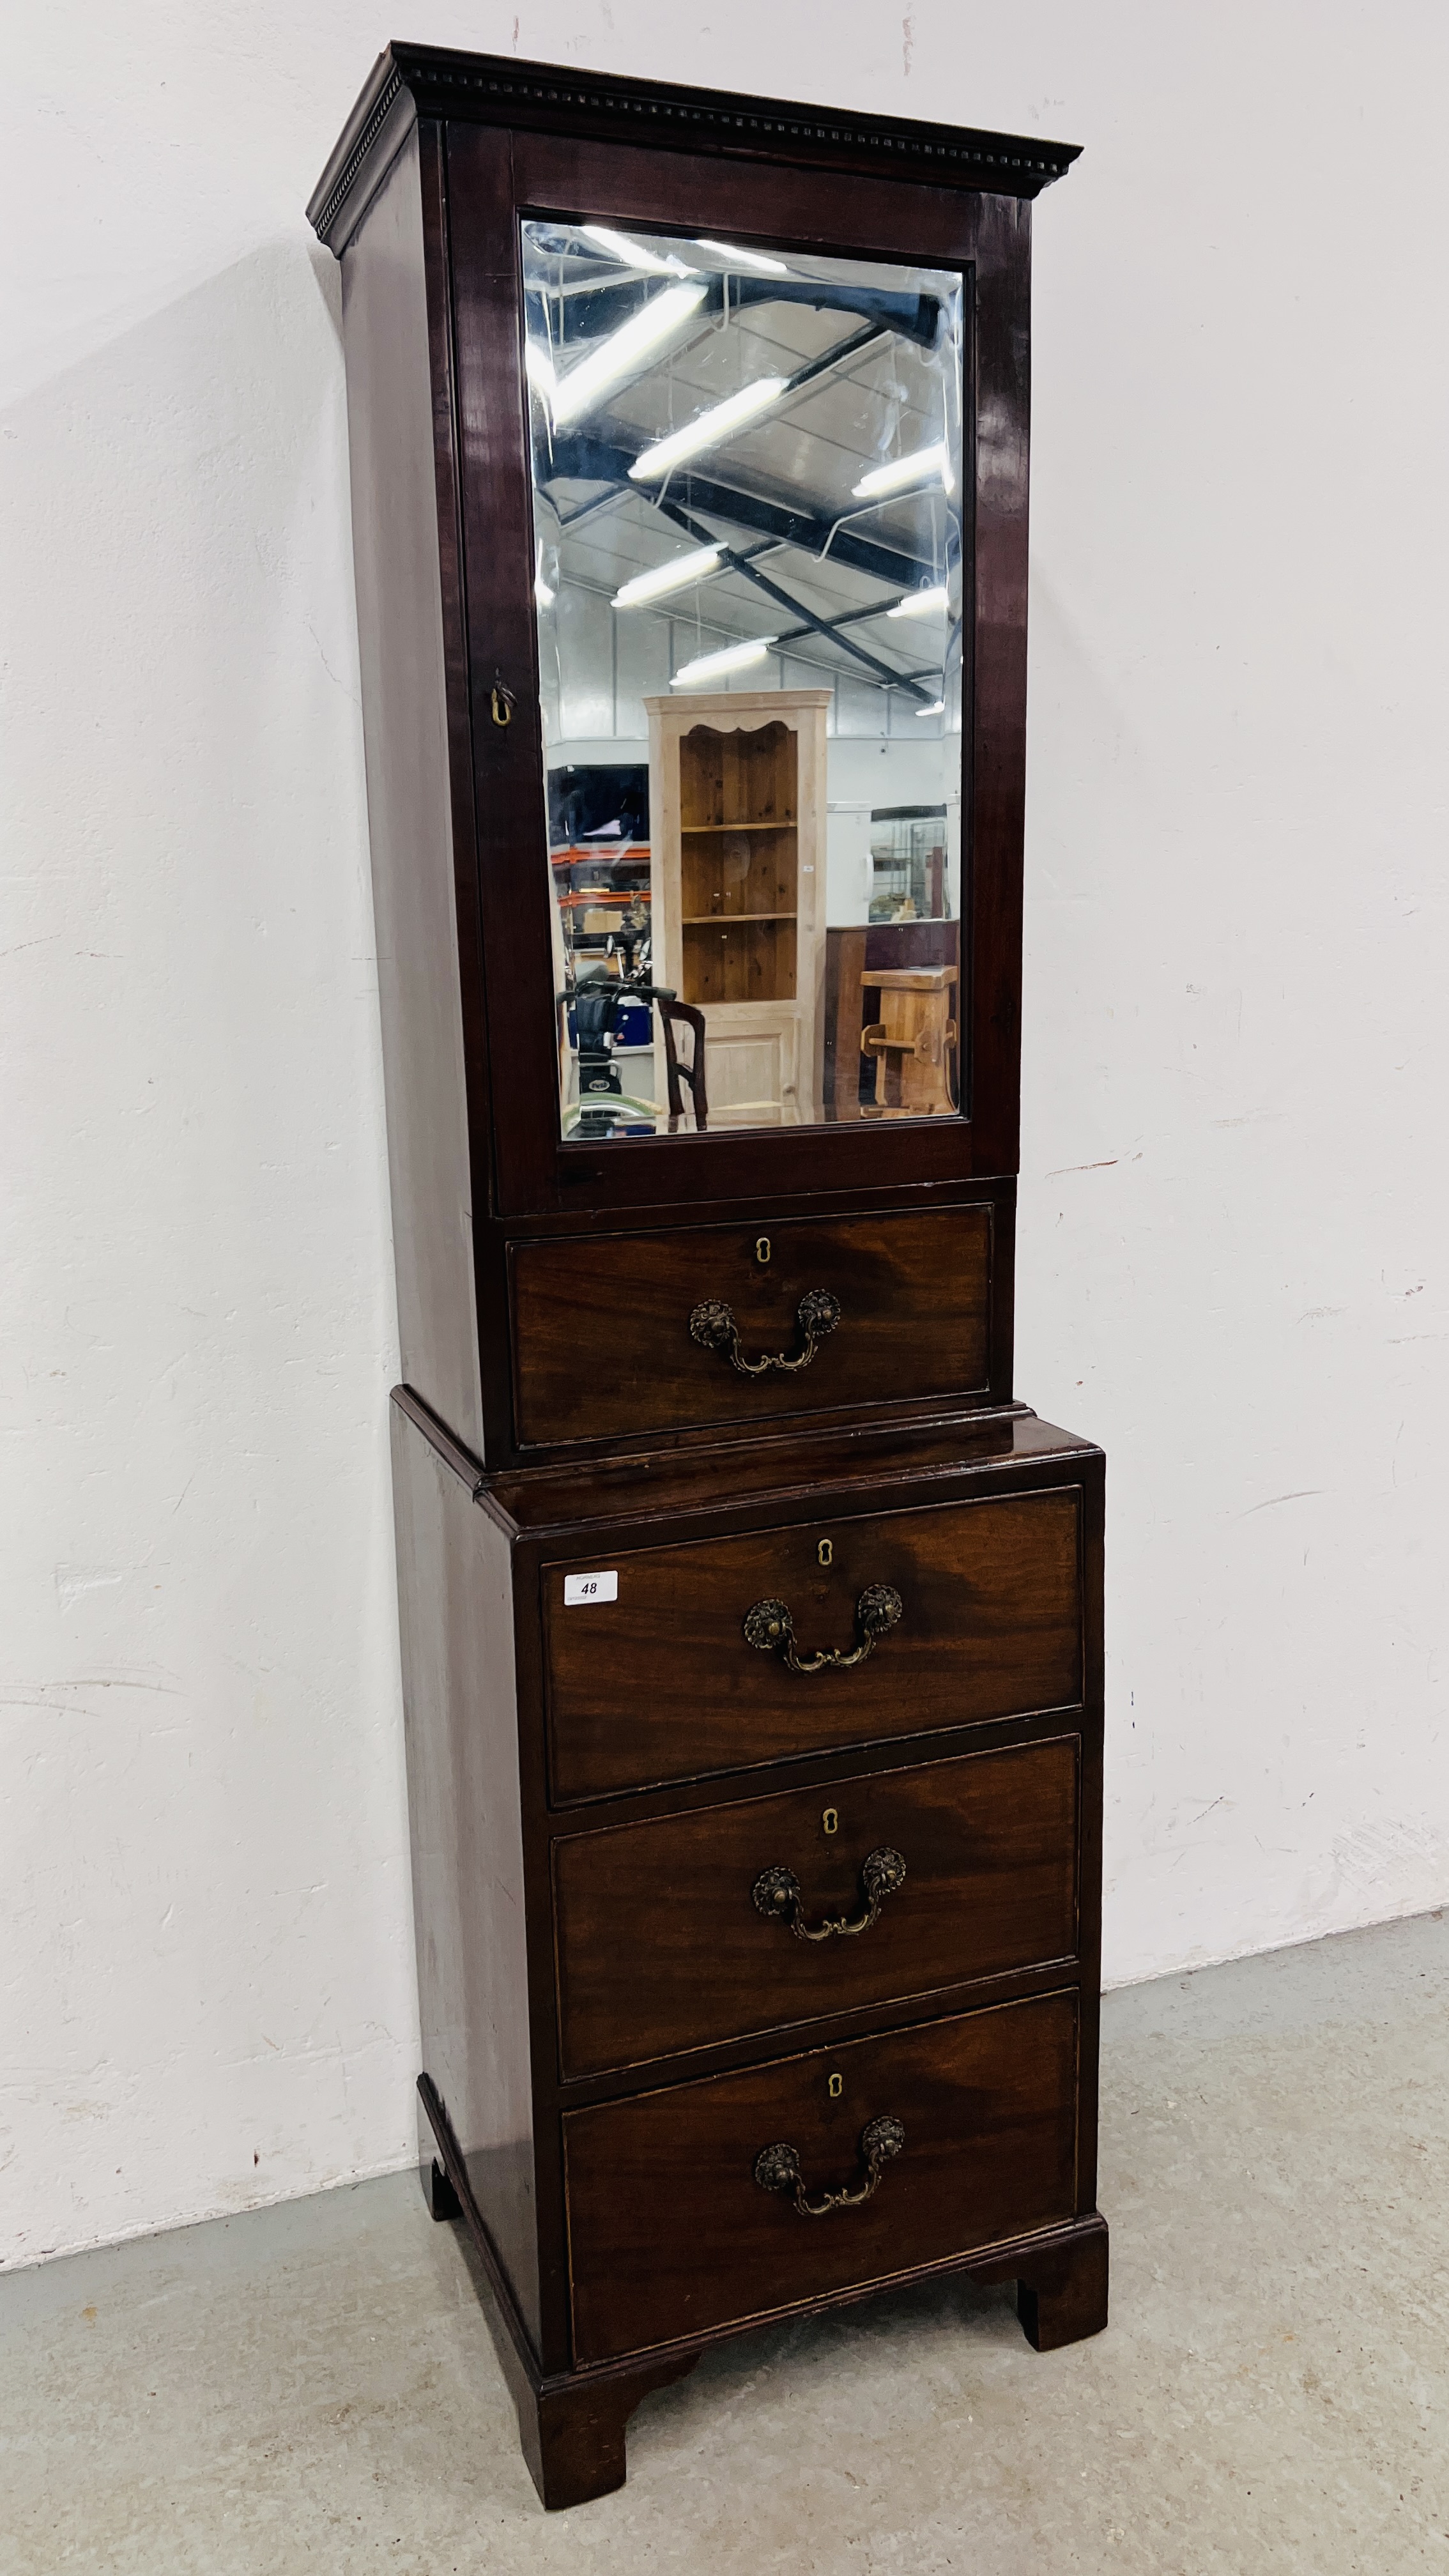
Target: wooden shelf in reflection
694,831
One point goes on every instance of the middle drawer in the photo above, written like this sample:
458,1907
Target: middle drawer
680,1933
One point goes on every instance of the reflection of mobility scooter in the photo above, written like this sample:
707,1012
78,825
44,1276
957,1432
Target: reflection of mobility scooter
604,1106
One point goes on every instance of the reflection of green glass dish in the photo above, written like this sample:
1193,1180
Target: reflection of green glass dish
612,1104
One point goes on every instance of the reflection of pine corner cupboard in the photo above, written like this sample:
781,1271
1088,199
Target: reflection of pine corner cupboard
737,811
751,1627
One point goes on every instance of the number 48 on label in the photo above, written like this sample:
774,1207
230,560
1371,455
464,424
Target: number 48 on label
581,1591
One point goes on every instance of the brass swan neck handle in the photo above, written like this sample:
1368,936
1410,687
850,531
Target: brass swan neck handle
770,1626
713,1326
777,1895
777,2168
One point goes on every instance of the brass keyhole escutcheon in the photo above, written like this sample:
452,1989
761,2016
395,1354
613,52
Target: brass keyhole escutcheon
835,2086
825,1553
762,1249
502,704
831,1820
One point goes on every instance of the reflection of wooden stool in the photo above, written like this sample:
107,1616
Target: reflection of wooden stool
911,1040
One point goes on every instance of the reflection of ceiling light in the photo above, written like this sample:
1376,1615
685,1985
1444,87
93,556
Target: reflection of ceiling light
622,354
542,593
710,427
902,470
938,709
735,657
748,258
538,367
668,576
921,603
633,254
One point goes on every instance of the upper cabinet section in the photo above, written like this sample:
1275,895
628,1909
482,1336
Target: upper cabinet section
711,730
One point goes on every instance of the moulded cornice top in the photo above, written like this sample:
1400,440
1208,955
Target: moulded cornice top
495,90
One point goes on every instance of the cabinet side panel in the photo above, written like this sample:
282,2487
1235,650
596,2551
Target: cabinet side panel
455,1600
1091,1832
395,537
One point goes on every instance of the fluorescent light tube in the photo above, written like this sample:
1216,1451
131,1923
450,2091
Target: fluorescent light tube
747,258
709,429
906,469
668,576
633,254
938,709
735,657
921,603
624,351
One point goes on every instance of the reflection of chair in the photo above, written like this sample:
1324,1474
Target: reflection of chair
693,1073
912,1041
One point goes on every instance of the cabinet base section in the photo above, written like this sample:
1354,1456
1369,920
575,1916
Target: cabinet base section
1063,2298
572,2430
438,2192
572,2424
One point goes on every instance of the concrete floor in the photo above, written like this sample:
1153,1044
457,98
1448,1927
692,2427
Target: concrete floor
314,2387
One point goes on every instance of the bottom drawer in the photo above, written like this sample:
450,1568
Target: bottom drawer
670,2232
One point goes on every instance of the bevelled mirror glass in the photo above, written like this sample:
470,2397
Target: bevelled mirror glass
748,492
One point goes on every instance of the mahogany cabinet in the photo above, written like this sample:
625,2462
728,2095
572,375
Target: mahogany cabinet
751,1626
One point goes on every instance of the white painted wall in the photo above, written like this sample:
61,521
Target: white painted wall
1233,1237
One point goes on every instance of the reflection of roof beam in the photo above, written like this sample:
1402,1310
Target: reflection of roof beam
586,458
795,637
916,318
814,368
809,531
771,393
813,624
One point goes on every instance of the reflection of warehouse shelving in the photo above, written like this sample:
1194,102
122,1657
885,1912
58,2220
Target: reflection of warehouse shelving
599,852
602,897
607,925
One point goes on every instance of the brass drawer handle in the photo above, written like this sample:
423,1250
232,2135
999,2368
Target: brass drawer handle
769,1625
713,1326
777,1896
777,2168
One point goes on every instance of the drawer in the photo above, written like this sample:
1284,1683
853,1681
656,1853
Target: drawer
601,1323
660,1683
662,1944
671,2234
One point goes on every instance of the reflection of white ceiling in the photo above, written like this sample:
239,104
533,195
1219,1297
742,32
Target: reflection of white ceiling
805,455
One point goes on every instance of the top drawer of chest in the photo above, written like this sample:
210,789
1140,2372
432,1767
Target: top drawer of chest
720,1654
626,1335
